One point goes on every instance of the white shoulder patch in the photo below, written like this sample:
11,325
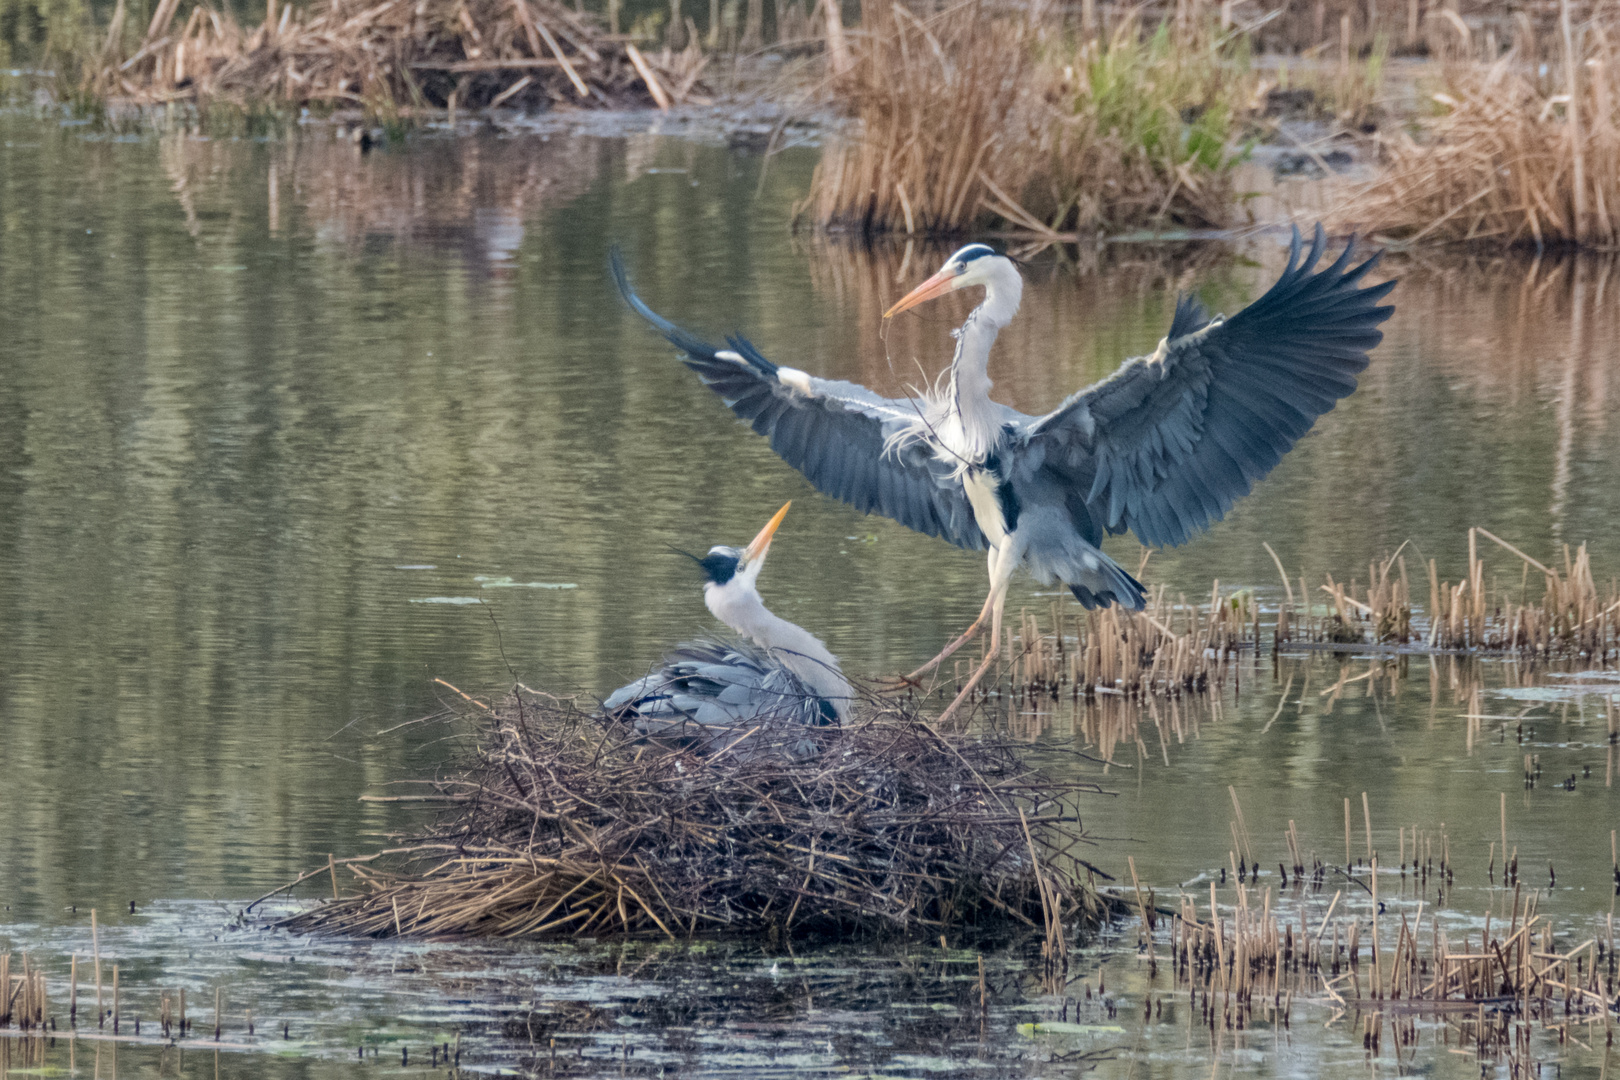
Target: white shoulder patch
795,378
727,354
1161,352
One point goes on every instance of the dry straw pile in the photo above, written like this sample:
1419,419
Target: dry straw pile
390,58
567,824
1525,149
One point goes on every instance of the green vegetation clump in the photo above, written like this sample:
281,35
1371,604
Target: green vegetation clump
1150,127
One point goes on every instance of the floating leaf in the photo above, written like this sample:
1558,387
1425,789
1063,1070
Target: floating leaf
1059,1027
507,583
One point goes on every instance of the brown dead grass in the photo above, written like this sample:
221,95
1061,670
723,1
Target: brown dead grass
390,57
937,100
1525,149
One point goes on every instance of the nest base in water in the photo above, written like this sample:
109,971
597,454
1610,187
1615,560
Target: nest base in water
567,824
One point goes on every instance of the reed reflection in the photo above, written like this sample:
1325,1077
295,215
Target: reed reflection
478,195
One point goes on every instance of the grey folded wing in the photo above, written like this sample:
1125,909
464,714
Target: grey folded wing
718,684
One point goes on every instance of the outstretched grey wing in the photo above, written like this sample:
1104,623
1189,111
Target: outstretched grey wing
832,432
1170,441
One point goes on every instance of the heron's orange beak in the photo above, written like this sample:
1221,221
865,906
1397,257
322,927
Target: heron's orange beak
760,544
938,285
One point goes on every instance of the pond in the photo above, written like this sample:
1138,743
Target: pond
288,431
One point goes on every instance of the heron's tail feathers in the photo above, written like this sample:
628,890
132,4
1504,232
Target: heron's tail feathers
1106,584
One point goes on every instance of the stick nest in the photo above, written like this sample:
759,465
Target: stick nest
568,824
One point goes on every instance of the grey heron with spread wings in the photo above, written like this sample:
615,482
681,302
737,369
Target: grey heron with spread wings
1162,447
775,673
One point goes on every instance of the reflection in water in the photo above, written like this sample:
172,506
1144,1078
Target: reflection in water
1116,730
472,193
1517,336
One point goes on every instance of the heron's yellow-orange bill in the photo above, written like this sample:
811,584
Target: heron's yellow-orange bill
756,547
938,285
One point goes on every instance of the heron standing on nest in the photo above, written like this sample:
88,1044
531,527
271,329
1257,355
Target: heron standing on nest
1163,447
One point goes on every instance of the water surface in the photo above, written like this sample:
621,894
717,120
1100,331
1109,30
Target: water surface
288,431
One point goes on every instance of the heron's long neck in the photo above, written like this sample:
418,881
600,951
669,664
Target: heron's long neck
969,392
800,651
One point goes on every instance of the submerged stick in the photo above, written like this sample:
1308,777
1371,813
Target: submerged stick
95,945
654,87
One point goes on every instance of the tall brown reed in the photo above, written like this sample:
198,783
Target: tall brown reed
939,102
1525,149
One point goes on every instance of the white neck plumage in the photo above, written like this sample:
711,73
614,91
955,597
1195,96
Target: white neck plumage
737,604
971,426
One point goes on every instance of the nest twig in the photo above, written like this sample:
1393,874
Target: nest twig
568,824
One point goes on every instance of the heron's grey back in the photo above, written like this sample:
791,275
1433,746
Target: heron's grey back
709,689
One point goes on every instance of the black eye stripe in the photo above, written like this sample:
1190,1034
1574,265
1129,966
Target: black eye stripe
971,252
719,566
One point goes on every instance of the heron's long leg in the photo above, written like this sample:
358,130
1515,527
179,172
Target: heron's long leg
967,636
1002,576
962,695
998,555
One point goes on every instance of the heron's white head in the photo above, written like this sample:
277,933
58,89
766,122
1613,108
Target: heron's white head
976,264
733,573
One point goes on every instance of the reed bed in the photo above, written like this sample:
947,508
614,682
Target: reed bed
1177,650
976,115
1353,936
1250,961
943,102
1172,649
1573,617
570,825
1357,27
1525,148
37,1007
391,58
